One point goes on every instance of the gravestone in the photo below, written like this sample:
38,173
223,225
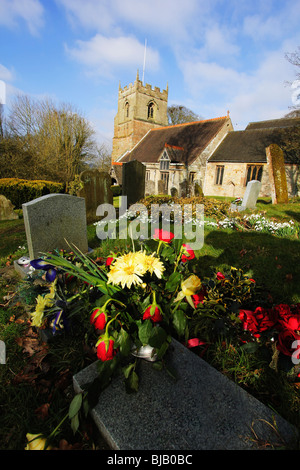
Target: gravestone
53,220
7,209
161,187
250,196
133,181
277,175
201,410
174,191
149,188
96,190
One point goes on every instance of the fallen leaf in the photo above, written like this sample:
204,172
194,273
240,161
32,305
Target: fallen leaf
42,411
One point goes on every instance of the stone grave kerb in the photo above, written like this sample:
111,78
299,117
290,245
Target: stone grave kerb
53,222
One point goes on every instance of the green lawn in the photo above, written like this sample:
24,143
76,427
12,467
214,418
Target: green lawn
28,383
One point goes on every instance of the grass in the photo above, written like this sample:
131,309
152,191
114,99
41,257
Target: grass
35,389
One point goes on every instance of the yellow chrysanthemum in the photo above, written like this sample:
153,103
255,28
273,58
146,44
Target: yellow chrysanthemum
127,269
154,265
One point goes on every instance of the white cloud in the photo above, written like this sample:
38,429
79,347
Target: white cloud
101,54
6,74
29,11
249,95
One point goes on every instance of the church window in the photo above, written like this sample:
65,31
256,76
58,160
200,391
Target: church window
127,109
151,110
164,162
219,174
165,177
253,172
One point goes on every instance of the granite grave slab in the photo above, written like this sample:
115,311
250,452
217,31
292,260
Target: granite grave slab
202,410
53,221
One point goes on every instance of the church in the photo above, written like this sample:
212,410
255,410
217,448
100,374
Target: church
205,156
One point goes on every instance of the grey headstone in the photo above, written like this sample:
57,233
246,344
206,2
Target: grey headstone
250,195
149,188
202,410
7,209
96,191
133,181
53,220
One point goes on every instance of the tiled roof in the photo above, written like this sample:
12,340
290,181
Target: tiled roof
192,137
249,146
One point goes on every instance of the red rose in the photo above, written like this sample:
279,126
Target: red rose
291,322
188,253
283,310
98,319
163,235
109,260
220,275
104,352
155,317
258,321
285,342
197,298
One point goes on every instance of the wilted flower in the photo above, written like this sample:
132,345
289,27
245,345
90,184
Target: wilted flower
105,349
36,442
153,313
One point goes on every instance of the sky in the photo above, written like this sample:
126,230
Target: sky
214,55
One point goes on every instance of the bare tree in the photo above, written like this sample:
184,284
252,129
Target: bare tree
178,114
48,141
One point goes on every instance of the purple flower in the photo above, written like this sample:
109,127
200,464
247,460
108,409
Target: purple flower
42,264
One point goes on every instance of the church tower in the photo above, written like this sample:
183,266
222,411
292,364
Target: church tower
140,108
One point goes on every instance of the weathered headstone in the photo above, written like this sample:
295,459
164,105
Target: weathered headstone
277,175
201,410
250,196
53,221
133,181
7,209
174,192
149,188
161,187
96,190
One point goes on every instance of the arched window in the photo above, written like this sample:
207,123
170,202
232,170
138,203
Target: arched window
126,109
151,110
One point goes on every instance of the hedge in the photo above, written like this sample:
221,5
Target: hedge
19,191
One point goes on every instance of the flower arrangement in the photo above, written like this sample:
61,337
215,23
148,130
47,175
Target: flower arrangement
133,303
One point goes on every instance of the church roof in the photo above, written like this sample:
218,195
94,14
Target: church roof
274,123
249,146
183,142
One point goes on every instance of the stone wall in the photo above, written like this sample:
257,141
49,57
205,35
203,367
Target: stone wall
234,180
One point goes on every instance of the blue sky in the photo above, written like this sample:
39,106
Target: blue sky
215,55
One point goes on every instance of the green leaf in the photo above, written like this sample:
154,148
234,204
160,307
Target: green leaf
126,370
179,322
132,383
75,423
75,405
158,337
173,281
124,342
250,347
145,330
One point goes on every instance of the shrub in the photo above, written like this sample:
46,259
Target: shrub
19,191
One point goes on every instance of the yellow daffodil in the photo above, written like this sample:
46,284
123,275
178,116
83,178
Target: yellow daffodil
42,303
36,442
